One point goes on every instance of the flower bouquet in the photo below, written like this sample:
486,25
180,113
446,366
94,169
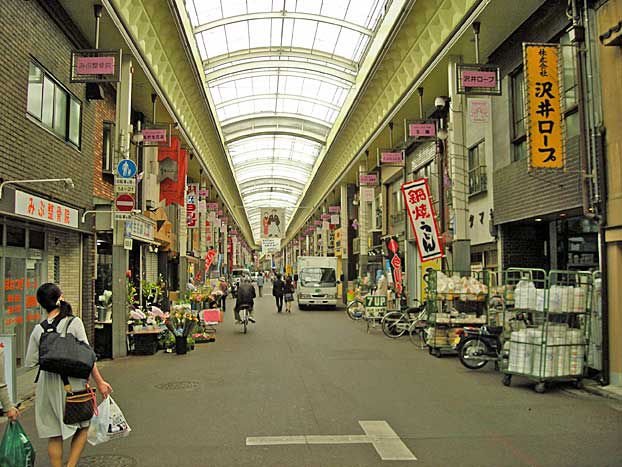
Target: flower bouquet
181,321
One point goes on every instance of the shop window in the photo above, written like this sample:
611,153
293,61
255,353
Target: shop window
15,236
53,106
36,240
519,135
477,169
107,152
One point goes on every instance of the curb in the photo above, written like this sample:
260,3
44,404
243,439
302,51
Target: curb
600,391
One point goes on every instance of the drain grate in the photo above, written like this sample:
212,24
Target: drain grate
178,386
107,461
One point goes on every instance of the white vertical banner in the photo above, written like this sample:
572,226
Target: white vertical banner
272,223
422,218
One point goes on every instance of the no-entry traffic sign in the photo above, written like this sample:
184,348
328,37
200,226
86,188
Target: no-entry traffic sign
124,202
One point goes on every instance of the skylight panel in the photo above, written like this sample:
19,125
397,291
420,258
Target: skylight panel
326,37
233,7
237,36
215,41
309,6
336,8
360,11
304,33
259,6
205,11
347,43
259,31
288,30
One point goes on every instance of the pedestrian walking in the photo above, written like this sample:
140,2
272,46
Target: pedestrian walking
260,284
288,293
224,288
50,392
277,290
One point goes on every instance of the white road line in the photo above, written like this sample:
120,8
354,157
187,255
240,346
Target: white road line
378,433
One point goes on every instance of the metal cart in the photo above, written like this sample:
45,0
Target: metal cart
557,306
450,309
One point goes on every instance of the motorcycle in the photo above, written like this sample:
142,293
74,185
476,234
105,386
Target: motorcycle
478,346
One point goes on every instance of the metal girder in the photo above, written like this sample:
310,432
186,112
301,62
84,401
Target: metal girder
301,117
279,162
293,72
428,25
293,125
152,29
298,52
268,180
283,15
240,135
277,96
280,65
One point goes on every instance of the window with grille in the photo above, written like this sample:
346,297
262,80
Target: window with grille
477,169
107,152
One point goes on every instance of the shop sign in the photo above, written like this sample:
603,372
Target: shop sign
479,110
44,210
212,206
325,225
95,66
191,206
338,250
422,218
477,79
545,134
367,194
202,207
368,179
128,243
325,217
154,135
124,185
225,220
375,305
7,343
143,228
425,268
421,129
203,192
209,259
393,246
335,219
334,209
219,212
392,158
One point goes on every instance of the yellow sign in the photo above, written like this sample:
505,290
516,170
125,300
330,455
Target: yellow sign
545,134
338,249
432,264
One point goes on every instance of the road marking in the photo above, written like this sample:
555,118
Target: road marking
378,433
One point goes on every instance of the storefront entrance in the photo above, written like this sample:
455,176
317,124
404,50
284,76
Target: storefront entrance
22,270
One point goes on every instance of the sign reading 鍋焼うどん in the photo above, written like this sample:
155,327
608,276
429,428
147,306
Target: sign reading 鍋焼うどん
422,218
545,134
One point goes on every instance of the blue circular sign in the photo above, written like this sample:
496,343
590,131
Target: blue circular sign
126,168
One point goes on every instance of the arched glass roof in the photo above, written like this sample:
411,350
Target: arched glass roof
279,73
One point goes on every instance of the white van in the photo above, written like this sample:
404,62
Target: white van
317,281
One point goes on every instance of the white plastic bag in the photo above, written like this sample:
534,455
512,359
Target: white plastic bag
525,295
108,424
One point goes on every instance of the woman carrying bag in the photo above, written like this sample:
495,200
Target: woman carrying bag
51,393
7,405
288,290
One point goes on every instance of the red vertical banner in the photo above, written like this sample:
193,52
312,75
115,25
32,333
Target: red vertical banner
173,169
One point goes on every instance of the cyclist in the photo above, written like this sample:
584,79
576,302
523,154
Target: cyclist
246,295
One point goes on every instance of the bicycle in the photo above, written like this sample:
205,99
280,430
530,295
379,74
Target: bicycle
245,317
356,308
412,320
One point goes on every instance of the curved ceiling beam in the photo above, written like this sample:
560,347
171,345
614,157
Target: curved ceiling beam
278,51
241,118
268,181
287,72
283,15
274,131
279,162
278,96
270,64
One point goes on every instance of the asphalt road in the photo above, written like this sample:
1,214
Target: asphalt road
319,373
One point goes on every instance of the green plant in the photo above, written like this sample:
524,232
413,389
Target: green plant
132,295
152,293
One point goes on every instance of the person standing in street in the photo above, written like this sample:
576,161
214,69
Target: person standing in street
7,405
260,284
288,293
277,290
224,288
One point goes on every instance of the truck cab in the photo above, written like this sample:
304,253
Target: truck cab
317,281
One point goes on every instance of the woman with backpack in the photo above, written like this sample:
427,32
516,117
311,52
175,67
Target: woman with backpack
51,392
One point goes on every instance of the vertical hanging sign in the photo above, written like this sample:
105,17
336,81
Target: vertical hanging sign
422,218
545,134
191,206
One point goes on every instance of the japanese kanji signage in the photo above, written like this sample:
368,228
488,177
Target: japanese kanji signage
478,79
544,112
393,246
479,110
44,210
191,205
421,129
156,135
368,179
422,219
334,209
95,66
391,157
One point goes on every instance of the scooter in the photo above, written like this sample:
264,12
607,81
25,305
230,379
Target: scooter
478,346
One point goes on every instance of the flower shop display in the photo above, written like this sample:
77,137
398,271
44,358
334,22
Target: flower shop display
104,311
181,323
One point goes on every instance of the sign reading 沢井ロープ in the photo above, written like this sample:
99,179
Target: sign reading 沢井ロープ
422,219
545,134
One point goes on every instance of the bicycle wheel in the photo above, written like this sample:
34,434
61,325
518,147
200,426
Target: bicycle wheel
418,334
355,309
394,324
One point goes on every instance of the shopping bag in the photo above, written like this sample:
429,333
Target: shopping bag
108,424
16,449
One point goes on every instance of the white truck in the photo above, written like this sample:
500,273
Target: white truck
317,281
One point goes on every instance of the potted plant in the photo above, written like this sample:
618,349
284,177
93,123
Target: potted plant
181,323
105,309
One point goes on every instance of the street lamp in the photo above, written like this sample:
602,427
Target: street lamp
68,182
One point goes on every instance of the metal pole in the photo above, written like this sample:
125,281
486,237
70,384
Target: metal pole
98,15
154,98
420,92
476,26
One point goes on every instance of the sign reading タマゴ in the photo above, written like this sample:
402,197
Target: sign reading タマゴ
45,210
422,218
545,134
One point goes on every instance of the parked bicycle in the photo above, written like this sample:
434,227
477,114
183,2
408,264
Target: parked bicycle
356,308
411,320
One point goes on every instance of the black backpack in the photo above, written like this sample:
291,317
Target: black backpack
64,354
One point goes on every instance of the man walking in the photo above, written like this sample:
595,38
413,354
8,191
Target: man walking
277,290
260,284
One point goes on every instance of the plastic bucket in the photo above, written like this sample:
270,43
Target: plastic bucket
181,345
350,295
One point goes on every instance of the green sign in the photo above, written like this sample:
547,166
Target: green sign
375,305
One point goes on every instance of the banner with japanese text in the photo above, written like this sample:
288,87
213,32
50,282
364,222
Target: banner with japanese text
422,218
545,134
